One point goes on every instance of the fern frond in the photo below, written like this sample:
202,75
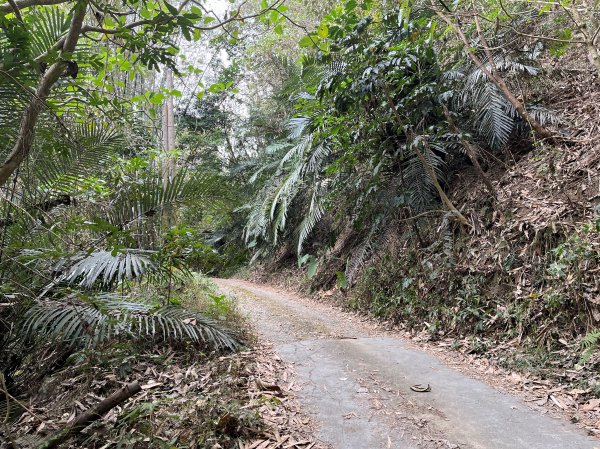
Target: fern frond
316,210
589,344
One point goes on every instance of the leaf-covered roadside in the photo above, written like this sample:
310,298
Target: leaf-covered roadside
193,395
242,400
548,383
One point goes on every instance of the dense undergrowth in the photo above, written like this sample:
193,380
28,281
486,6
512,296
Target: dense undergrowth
529,278
525,269
435,165
190,398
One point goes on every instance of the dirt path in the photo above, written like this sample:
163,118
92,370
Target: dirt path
356,383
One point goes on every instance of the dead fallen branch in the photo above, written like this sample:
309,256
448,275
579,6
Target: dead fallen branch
92,414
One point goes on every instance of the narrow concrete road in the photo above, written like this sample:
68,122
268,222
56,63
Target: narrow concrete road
356,384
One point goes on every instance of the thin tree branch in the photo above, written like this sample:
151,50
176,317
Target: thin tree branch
56,47
16,10
582,26
22,4
13,443
505,11
542,38
234,18
470,152
92,414
24,140
19,403
302,27
595,36
486,47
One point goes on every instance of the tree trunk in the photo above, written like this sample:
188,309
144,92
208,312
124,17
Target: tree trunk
168,145
168,132
30,117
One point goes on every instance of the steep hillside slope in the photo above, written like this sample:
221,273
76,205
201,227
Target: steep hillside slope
527,268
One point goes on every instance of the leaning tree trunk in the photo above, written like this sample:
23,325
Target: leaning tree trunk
24,141
494,76
427,166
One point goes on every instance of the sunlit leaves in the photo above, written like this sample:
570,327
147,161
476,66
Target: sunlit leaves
323,31
156,98
216,88
559,48
306,41
145,13
172,9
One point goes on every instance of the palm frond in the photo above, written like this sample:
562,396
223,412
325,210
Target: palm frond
66,161
543,115
48,25
88,321
297,126
420,186
360,254
146,198
495,116
105,267
316,210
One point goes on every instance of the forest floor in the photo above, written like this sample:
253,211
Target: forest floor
355,377
191,397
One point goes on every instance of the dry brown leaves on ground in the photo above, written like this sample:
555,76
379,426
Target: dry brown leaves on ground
239,401
558,392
